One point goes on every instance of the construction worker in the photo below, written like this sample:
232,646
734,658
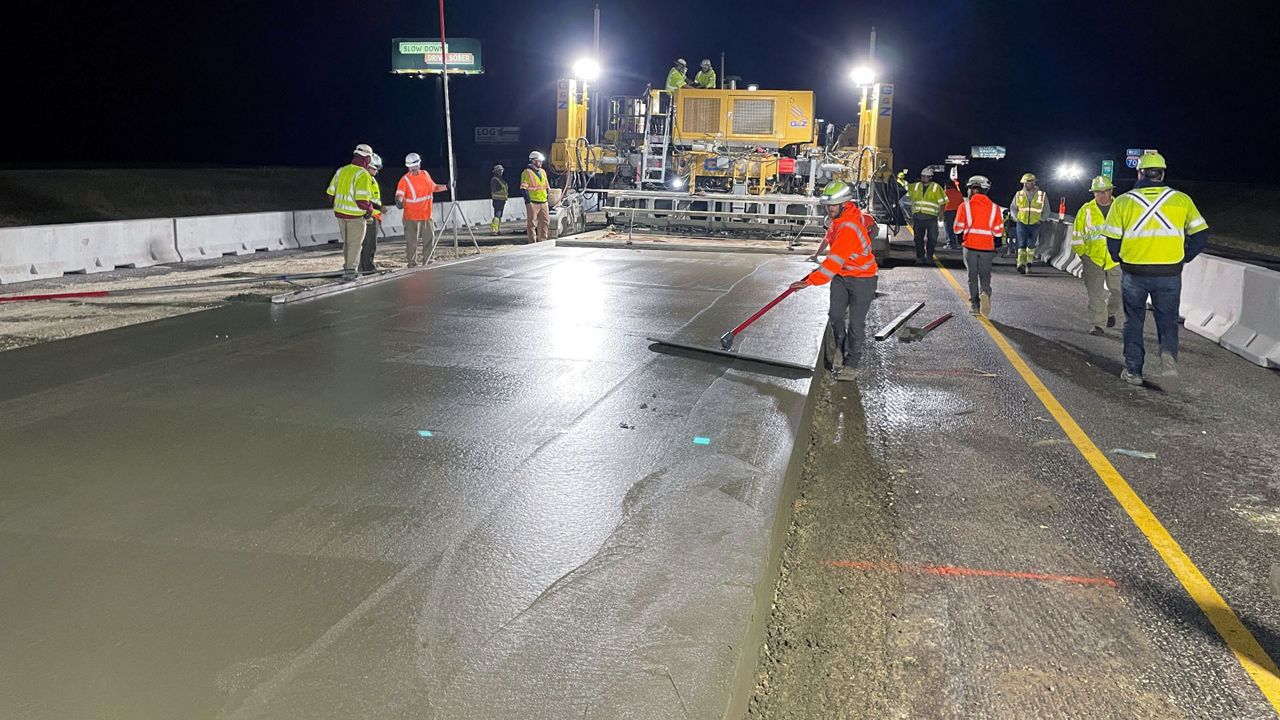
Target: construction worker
954,198
1027,206
676,75
1101,273
350,194
904,201
498,194
927,199
533,181
370,244
851,268
706,77
1153,230
414,193
980,224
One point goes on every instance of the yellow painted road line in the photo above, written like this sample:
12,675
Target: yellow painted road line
1260,666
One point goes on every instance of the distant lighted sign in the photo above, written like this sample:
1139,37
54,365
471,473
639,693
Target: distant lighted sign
426,56
987,152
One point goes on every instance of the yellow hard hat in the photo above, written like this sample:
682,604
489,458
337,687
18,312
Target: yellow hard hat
1028,177
1101,183
1152,161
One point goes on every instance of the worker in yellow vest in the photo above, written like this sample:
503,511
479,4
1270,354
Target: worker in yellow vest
1152,231
676,75
533,181
1027,207
498,195
927,198
1101,273
706,77
370,244
350,193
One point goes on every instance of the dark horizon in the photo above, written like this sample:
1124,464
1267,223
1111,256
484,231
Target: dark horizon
162,85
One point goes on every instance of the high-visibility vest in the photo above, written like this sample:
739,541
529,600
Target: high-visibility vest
926,199
676,79
416,193
979,221
499,192
1027,207
534,183
1086,235
850,252
351,184
1152,224
375,196
705,79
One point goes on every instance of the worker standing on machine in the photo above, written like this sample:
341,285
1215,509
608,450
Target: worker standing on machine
706,77
370,244
1027,206
927,199
533,181
1152,231
349,194
676,75
498,194
851,269
980,224
1101,273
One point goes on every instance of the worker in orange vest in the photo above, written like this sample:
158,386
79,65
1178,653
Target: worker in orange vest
414,194
980,222
850,267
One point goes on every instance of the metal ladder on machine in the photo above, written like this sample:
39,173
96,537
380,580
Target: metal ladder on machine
657,140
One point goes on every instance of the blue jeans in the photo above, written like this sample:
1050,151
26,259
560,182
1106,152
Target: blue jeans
1027,235
1165,293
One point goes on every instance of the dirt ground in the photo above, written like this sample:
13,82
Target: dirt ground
29,323
825,647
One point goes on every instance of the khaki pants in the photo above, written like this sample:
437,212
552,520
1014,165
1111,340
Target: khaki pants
1103,287
538,221
413,231
352,231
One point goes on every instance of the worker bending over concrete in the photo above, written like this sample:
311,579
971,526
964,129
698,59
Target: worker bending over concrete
498,194
533,181
414,193
1152,231
980,224
370,244
850,267
350,195
1101,273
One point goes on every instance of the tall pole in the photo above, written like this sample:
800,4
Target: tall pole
594,109
448,123
722,80
871,56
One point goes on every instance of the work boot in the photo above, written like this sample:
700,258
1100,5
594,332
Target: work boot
848,373
1168,366
984,304
974,308
1131,378
1097,331
493,226
1111,321
349,275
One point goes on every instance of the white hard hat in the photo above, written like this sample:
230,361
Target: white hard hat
535,155
497,168
681,62
363,150
706,64
413,160
375,161
979,181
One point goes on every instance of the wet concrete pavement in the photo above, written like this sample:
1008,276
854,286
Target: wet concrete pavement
973,564
471,493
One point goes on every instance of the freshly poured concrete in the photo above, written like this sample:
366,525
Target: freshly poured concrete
240,513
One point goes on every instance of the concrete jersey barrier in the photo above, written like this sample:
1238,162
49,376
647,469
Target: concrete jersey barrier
49,251
1256,337
212,236
1212,295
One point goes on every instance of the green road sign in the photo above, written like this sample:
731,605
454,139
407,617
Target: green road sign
424,56
1109,169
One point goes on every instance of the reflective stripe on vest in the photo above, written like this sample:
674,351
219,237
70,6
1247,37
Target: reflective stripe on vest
499,194
350,185
1028,208
924,199
535,185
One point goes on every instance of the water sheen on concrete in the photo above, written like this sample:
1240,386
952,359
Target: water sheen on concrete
470,493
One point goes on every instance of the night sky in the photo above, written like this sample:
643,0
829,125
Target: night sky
276,83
